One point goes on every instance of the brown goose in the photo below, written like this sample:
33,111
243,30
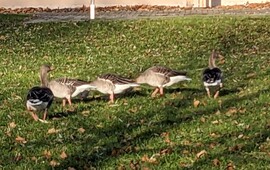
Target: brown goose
112,84
64,88
160,77
212,76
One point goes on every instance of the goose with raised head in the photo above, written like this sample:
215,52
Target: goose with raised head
64,88
160,77
113,84
212,76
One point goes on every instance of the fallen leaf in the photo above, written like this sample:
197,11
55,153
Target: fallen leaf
85,112
121,167
63,155
235,148
34,158
231,111
214,135
201,154
71,168
165,151
202,119
12,125
185,152
134,165
196,103
53,130
215,122
243,110
230,166
153,159
47,154
250,75
53,163
145,158
81,130
20,139
216,162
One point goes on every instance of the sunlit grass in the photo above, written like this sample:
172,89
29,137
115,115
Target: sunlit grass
160,133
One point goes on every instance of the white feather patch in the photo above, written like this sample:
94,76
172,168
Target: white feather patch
176,79
82,88
119,88
216,83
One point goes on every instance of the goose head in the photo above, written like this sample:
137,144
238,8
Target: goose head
44,69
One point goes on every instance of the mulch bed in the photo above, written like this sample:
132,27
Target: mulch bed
30,10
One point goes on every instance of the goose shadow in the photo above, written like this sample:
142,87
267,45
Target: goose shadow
61,114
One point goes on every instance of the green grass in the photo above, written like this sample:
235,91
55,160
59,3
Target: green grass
233,130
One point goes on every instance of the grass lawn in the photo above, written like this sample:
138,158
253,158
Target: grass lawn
162,133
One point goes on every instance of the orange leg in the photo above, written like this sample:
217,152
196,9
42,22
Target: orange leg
64,102
35,117
69,100
208,91
216,95
161,91
45,114
155,92
111,98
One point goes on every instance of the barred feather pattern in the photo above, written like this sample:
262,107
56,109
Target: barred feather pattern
115,79
39,98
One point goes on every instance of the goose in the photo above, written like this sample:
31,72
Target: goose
112,84
64,88
39,98
212,76
160,77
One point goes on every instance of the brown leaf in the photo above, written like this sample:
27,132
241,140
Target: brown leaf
235,148
201,154
12,125
146,168
242,110
53,163
47,154
216,162
196,103
85,112
145,158
215,122
214,135
165,151
121,167
18,157
81,130
20,139
134,166
71,168
53,130
231,111
230,166
63,155
250,75
202,119
34,158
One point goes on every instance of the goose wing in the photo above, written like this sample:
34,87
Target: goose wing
167,71
115,79
212,75
38,95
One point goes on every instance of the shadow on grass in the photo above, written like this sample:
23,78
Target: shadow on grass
171,113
